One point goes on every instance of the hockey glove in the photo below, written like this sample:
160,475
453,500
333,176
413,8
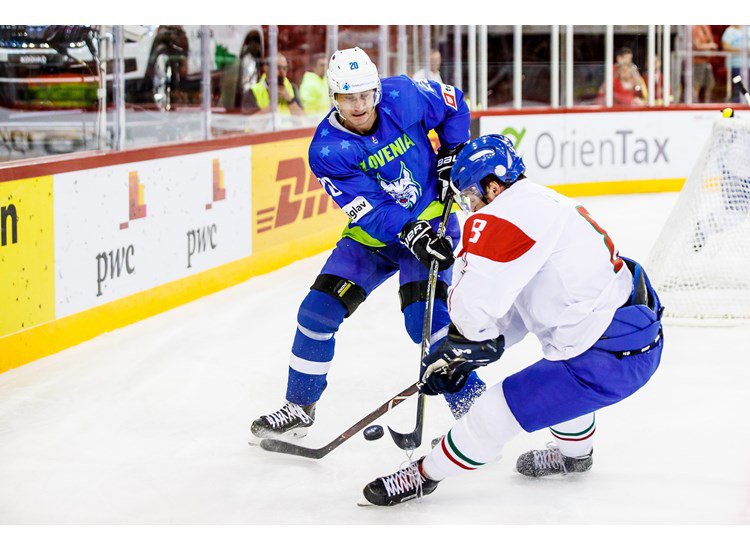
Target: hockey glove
446,369
424,243
446,158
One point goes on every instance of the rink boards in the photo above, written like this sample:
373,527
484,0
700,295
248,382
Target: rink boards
94,242
100,242
589,152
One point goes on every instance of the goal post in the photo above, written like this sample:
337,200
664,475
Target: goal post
700,263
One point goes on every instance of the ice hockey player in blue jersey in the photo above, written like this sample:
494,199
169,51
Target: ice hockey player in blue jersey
373,156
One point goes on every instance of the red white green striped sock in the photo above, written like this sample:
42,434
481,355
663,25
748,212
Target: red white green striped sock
574,438
456,456
478,438
447,459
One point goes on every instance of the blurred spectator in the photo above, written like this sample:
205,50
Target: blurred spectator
628,86
258,99
658,90
313,91
731,41
434,72
703,74
624,56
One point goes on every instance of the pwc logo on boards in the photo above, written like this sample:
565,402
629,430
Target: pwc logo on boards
112,265
220,192
204,239
135,198
299,199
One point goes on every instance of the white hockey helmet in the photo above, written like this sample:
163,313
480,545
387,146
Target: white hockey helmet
350,71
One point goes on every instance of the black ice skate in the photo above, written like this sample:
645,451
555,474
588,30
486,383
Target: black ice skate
551,461
406,484
289,422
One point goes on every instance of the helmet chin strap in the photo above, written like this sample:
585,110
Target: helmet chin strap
338,111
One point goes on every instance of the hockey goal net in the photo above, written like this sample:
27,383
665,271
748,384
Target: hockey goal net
700,264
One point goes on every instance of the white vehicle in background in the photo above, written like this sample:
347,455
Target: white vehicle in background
54,67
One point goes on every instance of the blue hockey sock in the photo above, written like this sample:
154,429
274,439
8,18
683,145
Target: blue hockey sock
304,389
312,351
308,366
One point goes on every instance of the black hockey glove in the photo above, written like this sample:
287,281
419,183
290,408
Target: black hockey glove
424,243
446,369
446,158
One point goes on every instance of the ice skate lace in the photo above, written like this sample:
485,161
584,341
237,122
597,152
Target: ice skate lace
404,480
287,414
549,459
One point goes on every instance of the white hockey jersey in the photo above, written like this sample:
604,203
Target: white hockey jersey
534,261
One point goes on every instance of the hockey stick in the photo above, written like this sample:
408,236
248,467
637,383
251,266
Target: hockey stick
413,439
738,82
279,446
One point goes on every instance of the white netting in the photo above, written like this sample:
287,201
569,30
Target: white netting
700,264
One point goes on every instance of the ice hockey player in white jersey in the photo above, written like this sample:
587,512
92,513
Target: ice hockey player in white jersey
532,261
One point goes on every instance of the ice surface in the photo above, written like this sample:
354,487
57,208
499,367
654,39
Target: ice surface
150,423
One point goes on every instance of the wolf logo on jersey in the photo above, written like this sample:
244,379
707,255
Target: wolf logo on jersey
404,189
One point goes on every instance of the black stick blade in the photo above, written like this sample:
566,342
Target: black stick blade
407,442
279,446
413,439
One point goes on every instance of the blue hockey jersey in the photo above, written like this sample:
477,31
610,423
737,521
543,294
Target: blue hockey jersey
387,178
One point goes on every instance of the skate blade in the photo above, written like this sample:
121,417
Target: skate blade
291,436
367,504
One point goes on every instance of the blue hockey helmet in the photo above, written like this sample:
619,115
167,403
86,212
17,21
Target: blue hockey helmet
490,155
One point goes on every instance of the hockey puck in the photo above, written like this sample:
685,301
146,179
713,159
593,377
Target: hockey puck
373,432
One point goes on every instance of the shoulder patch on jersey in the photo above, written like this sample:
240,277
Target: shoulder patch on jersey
449,96
357,208
495,238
